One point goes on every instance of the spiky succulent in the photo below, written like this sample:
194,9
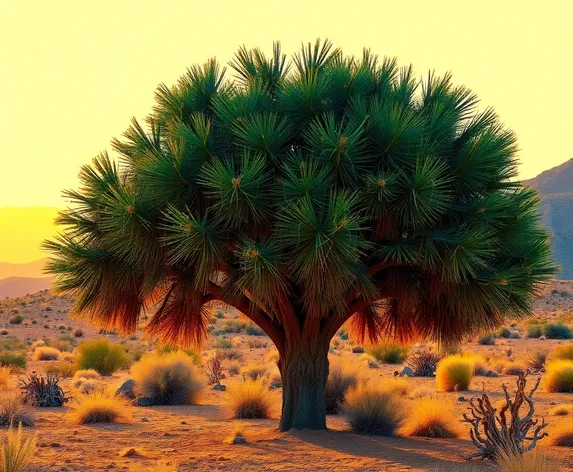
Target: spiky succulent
306,193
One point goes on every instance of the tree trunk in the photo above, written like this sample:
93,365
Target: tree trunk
304,371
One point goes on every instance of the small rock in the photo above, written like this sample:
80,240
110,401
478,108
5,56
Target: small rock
219,387
239,439
143,401
55,444
144,420
542,337
127,389
406,371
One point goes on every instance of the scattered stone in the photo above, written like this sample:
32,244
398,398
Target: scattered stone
219,387
542,337
239,439
406,372
143,401
127,389
461,399
144,420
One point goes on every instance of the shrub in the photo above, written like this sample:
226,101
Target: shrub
46,353
15,453
272,356
101,355
537,360
17,319
219,315
557,331
397,386
561,410
487,340
170,379
249,399
564,352
222,344
234,368
13,410
100,407
12,359
424,362
431,417
5,376
559,376
454,373
504,332
562,435
340,379
43,392
389,352
253,330
514,368
86,374
232,326
420,392
534,330
213,369
78,333
373,410
525,463
253,371
61,369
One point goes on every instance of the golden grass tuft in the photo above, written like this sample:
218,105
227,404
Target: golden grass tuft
561,410
559,376
564,352
61,369
168,379
340,378
249,399
100,407
528,462
5,377
454,373
272,356
13,410
431,417
46,353
421,391
397,386
514,368
15,453
562,435
253,371
86,374
373,410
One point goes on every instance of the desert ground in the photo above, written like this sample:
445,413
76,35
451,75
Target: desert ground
194,437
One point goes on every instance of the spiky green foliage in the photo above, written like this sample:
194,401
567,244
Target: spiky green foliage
304,193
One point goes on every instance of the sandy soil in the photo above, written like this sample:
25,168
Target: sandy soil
192,437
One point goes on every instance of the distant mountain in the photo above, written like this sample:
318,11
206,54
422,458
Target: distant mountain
556,189
29,269
20,286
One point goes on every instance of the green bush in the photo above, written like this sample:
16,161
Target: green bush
222,344
504,332
557,331
17,319
534,330
389,352
233,326
15,359
219,315
102,356
487,340
253,330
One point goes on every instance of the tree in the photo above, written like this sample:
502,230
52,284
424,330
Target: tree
306,194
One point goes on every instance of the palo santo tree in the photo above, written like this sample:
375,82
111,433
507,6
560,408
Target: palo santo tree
305,193
507,432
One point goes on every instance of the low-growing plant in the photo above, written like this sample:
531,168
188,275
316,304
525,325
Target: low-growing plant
562,435
424,362
487,340
559,376
249,399
232,326
537,359
253,330
169,379
340,378
253,371
78,333
101,355
504,332
561,410
234,368
5,376
100,407
13,359
564,352
454,373
373,410
61,369
15,453
46,353
431,417
213,369
43,392
534,330
389,352
530,462
557,331
17,319
13,410
222,344
514,368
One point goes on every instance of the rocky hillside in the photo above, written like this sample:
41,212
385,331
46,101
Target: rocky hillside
556,189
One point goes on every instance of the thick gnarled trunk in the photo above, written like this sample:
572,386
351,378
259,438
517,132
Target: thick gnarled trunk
304,371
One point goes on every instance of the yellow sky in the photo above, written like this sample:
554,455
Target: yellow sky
74,72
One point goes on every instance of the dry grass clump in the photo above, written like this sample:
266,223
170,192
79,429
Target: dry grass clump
5,376
514,368
102,356
61,368
561,410
562,435
420,392
46,353
249,399
389,352
430,417
564,352
168,379
253,371
13,410
100,407
373,410
537,360
15,453
559,376
340,379
86,374
454,373
525,463
424,362
397,386
272,356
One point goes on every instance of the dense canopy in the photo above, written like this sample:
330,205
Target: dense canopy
306,193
